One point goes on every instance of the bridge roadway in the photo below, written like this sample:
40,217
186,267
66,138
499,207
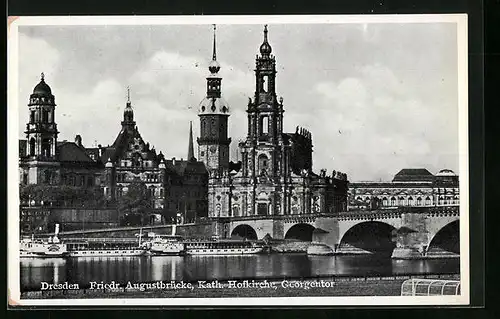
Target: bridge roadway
410,232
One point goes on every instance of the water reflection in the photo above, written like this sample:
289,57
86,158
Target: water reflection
192,268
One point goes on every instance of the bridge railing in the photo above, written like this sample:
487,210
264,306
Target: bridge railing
430,287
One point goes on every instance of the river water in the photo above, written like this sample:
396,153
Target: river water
82,270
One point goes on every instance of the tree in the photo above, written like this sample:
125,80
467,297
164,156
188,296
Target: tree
135,204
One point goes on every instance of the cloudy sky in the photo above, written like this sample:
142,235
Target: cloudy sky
376,97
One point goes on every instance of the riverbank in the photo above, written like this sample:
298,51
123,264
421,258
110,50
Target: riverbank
321,287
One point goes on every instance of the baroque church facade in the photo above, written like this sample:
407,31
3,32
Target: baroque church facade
275,176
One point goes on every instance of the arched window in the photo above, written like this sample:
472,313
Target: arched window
410,201
45,116
263,163
32,146
236,210
419,201
428,201
46,147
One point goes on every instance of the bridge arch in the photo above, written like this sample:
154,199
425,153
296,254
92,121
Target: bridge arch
371,236
244,231
301,231
446,239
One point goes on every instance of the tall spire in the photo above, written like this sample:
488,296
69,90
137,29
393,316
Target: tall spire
128,113
214,55
190,147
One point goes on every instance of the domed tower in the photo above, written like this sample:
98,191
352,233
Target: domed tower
41,131
213,111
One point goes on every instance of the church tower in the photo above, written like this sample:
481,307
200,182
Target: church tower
41,133
265,116
213,143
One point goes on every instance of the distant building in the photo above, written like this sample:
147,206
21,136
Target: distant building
174,186
275,175
409,187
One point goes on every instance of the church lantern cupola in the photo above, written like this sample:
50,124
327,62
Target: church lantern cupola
41,130
214,112
128,113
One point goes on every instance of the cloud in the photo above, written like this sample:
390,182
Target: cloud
35,56
380,126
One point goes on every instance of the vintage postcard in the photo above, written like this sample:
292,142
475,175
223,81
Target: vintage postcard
238,160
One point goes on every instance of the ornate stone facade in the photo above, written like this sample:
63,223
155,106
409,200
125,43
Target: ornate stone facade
175,187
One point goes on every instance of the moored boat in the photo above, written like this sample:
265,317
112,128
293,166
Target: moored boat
166,245
51,247
103,249
222,247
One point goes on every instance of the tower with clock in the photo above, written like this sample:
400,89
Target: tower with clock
213,143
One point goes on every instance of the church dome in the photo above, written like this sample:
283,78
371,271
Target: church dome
213,105
265,47
446,172
42,88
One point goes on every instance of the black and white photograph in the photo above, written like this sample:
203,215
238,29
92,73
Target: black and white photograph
236,160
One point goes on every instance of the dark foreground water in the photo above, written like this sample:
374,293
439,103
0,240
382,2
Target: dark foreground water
192,268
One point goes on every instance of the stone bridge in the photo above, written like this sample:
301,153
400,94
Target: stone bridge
405,232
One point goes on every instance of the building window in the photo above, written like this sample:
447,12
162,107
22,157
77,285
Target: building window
427,201
32,117
402,201
419,201
393,201
47,177
410,201
264,125
32,146
45,116
262,163
265,83
46,147
384,201
262,209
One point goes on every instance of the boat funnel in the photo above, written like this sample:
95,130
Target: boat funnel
56,232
